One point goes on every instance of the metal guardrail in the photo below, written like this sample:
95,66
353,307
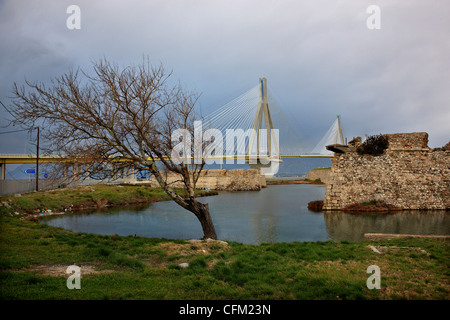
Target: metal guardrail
25,156
12,155
212,157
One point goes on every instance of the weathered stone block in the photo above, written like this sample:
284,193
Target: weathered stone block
409,175
233,180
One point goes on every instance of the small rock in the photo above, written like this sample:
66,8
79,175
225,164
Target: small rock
184,265
374,249
6,204
208,240
217,241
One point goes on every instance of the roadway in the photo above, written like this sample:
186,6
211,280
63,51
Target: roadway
20,158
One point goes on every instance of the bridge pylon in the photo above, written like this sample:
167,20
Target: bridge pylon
339,134
271,155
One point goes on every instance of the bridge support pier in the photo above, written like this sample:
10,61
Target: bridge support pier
132,171
271,149
267,170
66,173
76,173
3,171
87,173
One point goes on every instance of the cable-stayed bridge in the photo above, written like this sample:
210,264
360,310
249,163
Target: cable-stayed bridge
252,128
256,128
262,128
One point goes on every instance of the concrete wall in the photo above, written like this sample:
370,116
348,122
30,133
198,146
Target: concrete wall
323,174
16,186
408,175
229,180
25,185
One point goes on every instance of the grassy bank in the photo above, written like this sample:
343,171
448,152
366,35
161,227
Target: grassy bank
87,197
300,181
34,258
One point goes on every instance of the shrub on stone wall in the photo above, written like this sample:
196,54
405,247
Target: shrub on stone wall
374,145
315,205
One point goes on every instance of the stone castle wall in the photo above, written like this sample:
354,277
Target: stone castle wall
221,180
408,175
324,174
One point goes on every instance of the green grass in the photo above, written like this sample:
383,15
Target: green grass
34,257
84,197
143,268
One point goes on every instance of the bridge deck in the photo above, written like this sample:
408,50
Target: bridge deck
16,158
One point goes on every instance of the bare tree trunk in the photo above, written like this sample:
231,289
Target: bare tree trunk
202,213
201,210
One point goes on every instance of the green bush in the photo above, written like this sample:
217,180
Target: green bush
374,145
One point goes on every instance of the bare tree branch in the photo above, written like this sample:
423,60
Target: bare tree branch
116,117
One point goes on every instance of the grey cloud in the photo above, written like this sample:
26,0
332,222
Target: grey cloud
318,56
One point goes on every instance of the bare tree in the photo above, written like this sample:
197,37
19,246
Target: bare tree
117,116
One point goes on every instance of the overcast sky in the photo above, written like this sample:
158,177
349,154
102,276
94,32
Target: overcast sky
319,57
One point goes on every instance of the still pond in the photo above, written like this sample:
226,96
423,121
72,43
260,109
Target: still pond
277,213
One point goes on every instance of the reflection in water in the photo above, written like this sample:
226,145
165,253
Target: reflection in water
274,214
351,226
265,221
265,229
